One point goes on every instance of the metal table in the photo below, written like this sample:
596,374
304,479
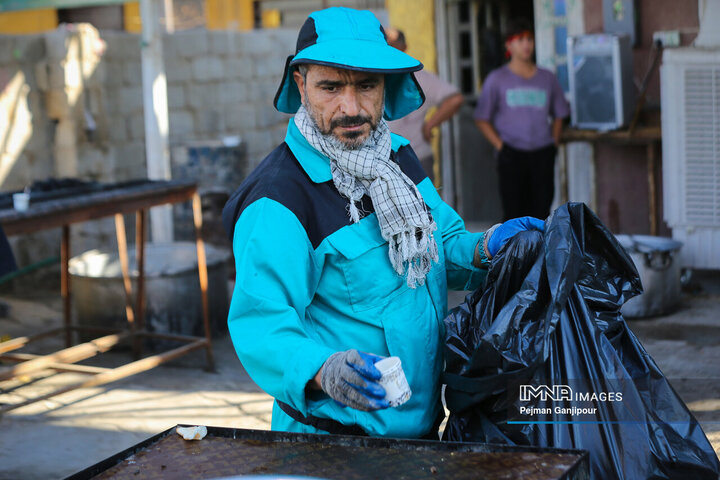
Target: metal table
111,200
228,452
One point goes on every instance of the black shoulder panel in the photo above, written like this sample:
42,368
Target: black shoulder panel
319,207
409,164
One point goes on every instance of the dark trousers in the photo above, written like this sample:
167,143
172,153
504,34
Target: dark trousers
527,181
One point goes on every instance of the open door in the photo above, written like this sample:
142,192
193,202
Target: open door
470,46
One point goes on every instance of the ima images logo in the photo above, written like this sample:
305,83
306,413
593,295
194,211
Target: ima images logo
555,393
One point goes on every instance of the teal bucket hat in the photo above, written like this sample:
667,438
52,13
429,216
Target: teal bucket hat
354,40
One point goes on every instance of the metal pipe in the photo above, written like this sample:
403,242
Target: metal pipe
125,267
20,342
88,328
29,268
140,260
68,355
169,336
65,282
115,373
202,272
60,367
652,196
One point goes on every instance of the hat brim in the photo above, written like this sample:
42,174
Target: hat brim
365,56
402,91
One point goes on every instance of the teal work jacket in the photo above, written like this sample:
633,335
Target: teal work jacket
311,283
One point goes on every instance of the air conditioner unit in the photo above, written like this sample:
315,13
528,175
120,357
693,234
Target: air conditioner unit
600,77
690,96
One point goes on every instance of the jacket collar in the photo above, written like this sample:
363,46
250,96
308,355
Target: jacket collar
315,164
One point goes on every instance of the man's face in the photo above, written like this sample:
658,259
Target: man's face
345,104
521,47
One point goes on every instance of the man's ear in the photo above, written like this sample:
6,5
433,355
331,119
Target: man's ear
300,82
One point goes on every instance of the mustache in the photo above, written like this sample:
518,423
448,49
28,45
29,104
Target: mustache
349,121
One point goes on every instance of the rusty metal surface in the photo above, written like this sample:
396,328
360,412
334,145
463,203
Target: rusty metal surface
168,456
121,198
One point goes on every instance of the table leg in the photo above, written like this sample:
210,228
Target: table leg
652,195
140,257
203,275
125,267
65,283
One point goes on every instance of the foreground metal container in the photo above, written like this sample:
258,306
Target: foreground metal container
657,260
228,452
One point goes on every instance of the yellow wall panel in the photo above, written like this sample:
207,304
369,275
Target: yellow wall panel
229,14
416,18
28,21
131,17
271,18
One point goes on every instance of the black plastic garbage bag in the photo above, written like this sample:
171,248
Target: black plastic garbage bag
542,356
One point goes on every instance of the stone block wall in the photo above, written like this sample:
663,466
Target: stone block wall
219,84
71,106
223,83
25,129
26,134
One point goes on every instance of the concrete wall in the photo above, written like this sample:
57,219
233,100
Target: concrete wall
219,84
26,133
71,105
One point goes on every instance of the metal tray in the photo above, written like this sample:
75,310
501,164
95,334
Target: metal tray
227,452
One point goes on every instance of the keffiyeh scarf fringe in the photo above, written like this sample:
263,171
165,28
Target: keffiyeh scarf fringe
404,220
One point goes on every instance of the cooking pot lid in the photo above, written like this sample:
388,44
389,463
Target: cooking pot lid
648,243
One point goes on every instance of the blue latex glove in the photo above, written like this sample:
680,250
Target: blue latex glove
509,229
350,378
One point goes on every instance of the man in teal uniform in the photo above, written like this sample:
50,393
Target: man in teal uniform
344,251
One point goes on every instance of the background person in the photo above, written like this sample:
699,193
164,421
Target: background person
520,112
417,126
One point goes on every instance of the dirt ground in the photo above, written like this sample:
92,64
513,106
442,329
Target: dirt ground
62,435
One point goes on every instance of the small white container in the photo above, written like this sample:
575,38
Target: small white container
397,390
21,201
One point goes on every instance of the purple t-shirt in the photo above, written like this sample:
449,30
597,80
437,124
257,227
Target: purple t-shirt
520,108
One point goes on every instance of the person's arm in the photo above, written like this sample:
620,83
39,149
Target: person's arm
559,109
315,383
490,133
276,279
445,111
459,245
557,126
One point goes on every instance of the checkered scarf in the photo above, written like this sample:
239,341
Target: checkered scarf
405,222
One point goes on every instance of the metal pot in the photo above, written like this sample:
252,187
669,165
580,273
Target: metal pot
172,288
657,260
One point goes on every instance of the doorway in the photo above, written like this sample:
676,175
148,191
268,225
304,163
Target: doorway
471,48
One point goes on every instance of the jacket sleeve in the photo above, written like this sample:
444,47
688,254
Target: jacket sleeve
458,244
275,282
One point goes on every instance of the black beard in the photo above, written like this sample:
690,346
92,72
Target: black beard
348,140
